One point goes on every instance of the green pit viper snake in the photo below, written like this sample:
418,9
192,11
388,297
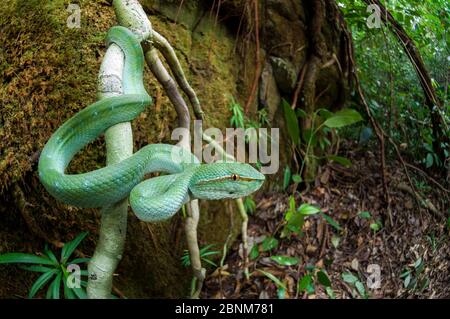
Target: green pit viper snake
154,199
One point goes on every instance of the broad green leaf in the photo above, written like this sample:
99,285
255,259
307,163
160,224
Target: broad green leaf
306,209
331,221
21,258
69,247
273,278
323,278
305,283
418,263
285,260
296,178
341,160
295,224
349,277
343,118
254,252
291,122
269,243
41,281
324,113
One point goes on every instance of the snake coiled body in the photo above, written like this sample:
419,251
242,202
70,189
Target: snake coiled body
154,199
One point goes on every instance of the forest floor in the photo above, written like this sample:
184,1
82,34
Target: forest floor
412,254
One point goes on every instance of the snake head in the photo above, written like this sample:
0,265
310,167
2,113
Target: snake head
225,180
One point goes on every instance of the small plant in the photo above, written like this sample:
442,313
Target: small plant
306,142
205,254
239,120
263,118
295,218
354,281
376,226
52,268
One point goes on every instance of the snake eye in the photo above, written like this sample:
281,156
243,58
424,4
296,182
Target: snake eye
234,177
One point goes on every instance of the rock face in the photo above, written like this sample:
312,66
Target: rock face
48,72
